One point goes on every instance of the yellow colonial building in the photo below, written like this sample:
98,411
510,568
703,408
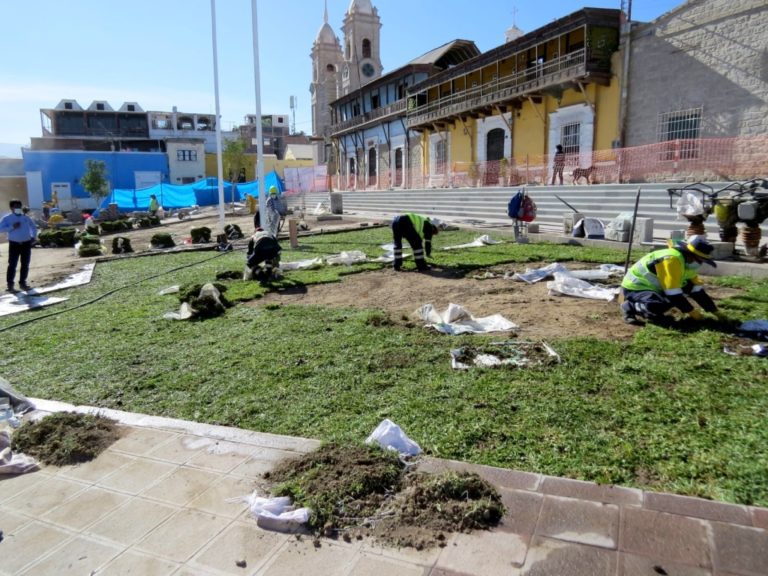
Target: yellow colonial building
497,118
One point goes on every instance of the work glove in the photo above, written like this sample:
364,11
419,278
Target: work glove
696,314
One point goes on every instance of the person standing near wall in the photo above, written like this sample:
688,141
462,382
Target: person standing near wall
558,164
22,233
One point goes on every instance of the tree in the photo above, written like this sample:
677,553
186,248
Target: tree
95,180
234,160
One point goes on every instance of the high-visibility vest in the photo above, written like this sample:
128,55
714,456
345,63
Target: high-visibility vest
418,222
640,277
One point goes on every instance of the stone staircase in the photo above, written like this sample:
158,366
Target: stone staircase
488,206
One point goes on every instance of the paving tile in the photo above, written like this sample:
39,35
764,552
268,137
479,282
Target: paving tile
261,461
78,557
557,558
215,498
137,476
180,449
132,521
523,509
28,544
697,508
483,553
97,469
740,549
182,535
590,491
222,456
10,486
181,485
634,565
301,557
759,517
11,522
135,564
85,508
239,542
378,566
425,557
139,441
499,477
44,496
665,536
581,521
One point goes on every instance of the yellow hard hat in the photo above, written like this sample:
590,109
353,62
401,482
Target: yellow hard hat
273,191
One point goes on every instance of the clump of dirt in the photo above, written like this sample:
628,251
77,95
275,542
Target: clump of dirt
505,354
66,438
361,490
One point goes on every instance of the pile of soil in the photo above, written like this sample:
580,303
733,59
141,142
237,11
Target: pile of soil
66,438
360,490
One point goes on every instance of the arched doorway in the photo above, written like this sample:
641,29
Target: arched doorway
494,153
399,167
371,166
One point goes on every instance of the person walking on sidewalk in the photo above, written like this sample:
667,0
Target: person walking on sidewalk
661,280
413,228
22,234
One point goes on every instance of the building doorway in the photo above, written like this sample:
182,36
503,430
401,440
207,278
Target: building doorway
494,153
398,167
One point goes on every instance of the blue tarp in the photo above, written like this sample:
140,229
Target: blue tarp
170,196
252,188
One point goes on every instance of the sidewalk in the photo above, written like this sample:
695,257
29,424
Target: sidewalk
155,503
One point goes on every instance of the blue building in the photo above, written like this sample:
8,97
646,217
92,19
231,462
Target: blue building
61,170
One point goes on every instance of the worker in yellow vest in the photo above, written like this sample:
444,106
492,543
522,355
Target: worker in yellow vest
413,228
662,279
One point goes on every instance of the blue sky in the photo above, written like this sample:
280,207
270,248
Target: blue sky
159,53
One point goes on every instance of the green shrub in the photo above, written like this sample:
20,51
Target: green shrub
148,221
88,239
58,238
200,235
87,250
162,240
121,245
92,229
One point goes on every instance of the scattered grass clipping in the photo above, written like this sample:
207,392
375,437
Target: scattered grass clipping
66,438
360,490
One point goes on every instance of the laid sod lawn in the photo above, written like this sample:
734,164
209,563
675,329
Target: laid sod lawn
668,411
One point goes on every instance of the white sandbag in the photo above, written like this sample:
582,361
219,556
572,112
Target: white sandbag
570,286
11,463
391,437
532,275
689,205
288,521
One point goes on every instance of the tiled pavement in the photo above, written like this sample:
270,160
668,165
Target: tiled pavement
157,503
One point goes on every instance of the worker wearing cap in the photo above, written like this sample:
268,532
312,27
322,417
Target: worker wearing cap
661,280
273,212
413,228
263,259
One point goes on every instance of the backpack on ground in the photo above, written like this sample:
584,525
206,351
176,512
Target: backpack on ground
521,207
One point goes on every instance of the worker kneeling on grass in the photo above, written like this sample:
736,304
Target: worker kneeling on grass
413,228
263,260
661,280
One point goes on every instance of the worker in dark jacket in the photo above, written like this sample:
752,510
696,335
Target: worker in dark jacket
263,259
413,228
662,279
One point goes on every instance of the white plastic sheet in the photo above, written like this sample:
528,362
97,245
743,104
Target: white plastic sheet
276,513
484,240
532,275
13,303
11,463
391,437
689,205
347,258
458,320
170,290
566,284
308,264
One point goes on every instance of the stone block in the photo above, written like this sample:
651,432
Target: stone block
533,228
569,220
643,230
722,250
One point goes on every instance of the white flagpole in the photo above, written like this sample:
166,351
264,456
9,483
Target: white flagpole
219,160
259,137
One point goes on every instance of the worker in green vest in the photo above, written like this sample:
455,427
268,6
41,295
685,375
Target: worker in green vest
661,280
413,228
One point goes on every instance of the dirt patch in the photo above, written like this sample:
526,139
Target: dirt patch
66,438
539,315
356,491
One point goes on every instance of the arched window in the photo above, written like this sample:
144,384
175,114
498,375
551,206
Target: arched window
371,166
495,144
331,69
366,48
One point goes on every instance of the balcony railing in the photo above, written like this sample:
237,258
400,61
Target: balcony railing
537,77
377,114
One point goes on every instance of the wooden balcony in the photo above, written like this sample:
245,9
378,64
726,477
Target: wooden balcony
372,117
568,69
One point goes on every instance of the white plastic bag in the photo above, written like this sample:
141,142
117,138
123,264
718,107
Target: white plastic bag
390,436
566,284
689,205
